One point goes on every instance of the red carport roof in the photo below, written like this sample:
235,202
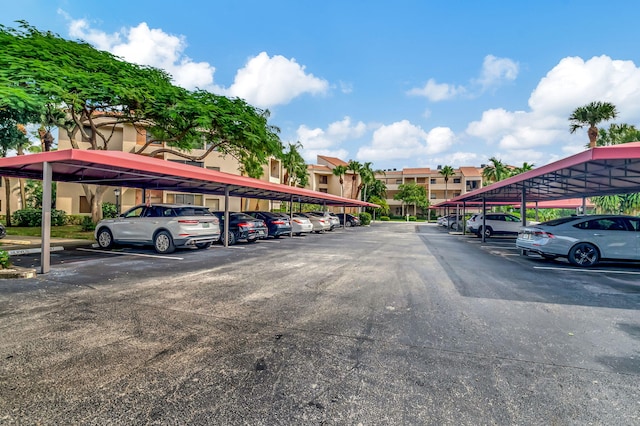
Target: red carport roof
597,171
123,169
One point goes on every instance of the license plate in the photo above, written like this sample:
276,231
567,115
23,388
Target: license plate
260,232
205,225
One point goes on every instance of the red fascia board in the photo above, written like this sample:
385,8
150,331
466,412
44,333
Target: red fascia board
126,161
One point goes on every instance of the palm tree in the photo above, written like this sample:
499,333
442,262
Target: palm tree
295,166
340,171
524,168
354,167
367,176
496,171
447,172
591,115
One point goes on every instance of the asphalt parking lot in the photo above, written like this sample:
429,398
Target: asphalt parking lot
388,324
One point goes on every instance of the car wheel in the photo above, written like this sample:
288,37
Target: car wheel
348,223
3,231
163,243
488,232
203,245
231,239
584,254
105,238
297,234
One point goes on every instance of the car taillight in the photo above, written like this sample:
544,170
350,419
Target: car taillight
246,225
297,220
278,222
189,221
543,234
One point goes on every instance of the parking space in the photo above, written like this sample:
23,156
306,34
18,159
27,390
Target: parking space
505,247
397,321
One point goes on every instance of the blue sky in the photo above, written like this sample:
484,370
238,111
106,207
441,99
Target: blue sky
399,84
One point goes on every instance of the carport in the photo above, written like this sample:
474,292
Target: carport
598,171
111,168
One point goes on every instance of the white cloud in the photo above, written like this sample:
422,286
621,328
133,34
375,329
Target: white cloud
318,141
145,46
572,83
437,92
268,81
264,81
456,159
403,140
496,71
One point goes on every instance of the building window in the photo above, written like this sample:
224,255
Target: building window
324,190
275,169
324,180
217,169
85,207
398,181
190,163
433,196
149,137
432,181
184,199
456,180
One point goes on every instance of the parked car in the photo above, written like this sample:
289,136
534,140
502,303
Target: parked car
299,225
164,226
351,220
334,222
277,225
320,224
455,222
584,240
496,224
3,231
242,227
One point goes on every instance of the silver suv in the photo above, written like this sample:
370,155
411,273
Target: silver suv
164,226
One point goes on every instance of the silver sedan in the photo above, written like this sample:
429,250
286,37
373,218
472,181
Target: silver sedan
584,240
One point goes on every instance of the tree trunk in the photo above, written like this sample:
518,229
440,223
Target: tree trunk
7,187
593,136
95,200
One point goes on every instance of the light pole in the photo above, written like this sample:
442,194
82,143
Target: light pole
117,194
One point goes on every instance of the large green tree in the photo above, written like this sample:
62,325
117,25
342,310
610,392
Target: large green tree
412,194
96,92
591,115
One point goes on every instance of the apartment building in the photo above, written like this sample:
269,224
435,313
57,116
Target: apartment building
72,199
465,179
322,179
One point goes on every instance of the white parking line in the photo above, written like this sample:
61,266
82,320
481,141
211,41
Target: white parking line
597,271
501,247
133,254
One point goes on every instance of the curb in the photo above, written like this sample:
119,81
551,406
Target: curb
17,272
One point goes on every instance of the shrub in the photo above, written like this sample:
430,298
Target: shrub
33,217
412,218
75,219
385,218
5,262
109,210
87,224
365,218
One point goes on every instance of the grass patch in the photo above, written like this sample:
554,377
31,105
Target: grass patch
66,231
